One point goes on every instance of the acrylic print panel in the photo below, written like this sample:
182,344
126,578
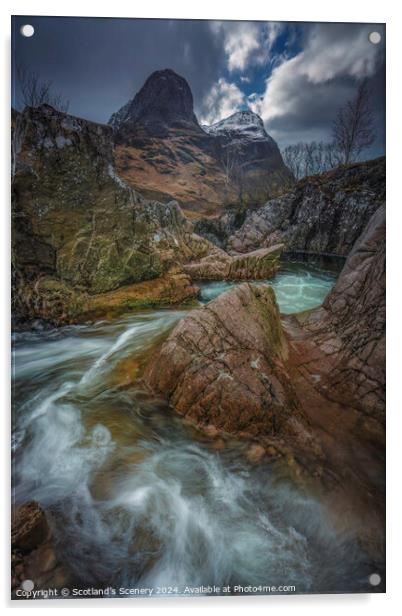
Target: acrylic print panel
198,254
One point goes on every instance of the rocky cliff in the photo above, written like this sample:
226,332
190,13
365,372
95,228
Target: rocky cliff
162,151
323,214
350,326
78,229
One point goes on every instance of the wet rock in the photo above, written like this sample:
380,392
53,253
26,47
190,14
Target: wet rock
175,287
255,453
125,372
59,303
33,555
219,444
323,214
224,364
350,326
43,559
29,527
211,430
256,265
214,266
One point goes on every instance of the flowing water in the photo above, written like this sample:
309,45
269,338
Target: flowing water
142,500
298,286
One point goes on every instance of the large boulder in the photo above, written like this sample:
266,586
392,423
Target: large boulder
323,214
256,265
76,222
224,365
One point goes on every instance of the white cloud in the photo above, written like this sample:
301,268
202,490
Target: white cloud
270,33
246,42
240,40
303,82
223,99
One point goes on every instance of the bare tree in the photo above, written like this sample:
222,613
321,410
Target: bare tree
240,181
292,156
35,91
332,156
353,129
233,169
310,158
229,159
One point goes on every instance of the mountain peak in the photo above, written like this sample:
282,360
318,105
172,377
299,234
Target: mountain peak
245,123
163,103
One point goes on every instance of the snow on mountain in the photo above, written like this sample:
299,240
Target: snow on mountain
244,123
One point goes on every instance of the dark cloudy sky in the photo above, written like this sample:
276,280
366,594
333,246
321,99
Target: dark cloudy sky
294,75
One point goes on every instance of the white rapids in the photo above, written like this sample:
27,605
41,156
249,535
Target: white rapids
138,497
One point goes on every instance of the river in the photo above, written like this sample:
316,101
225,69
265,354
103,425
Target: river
140,498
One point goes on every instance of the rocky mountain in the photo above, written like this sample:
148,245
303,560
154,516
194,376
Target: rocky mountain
242,125
162,151
250,157
163,105
323,214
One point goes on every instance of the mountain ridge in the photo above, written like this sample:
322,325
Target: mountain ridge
163,151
